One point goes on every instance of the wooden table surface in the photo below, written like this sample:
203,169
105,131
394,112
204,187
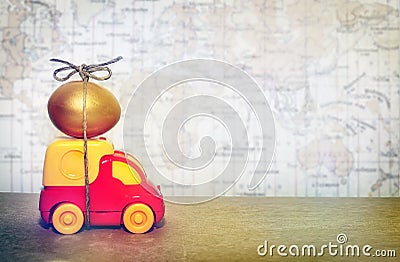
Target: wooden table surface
228,228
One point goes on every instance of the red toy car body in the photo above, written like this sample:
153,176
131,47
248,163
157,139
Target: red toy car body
114,200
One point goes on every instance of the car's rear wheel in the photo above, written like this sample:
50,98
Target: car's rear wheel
138,218
67,219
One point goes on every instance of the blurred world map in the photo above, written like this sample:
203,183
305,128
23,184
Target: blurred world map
329,69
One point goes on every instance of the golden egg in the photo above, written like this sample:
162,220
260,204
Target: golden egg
65,109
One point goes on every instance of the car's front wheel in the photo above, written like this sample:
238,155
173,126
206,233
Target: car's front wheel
138,218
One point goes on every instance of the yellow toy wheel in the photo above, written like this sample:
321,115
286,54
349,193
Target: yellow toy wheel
138,218
67,219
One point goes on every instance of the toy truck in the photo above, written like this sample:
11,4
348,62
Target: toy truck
119,191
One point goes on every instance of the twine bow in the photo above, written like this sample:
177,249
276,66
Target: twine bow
85,72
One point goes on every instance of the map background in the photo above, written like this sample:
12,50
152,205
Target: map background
330,72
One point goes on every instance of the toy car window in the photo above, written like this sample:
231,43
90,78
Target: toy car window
136,162
127,175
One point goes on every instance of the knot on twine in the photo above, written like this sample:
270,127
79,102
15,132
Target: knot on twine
84,71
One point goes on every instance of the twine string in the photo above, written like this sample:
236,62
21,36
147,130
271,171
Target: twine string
85,155
85,72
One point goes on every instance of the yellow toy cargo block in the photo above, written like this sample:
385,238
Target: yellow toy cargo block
63,165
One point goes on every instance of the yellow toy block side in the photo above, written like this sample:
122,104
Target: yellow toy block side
63,164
